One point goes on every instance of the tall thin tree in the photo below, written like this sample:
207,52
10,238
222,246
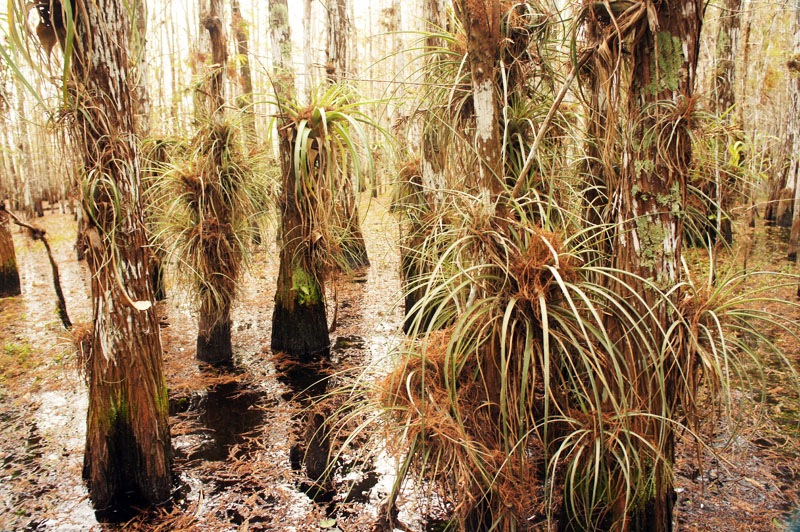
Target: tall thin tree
245,99
337,68
299,320
793,130
650,97
724,102
127,460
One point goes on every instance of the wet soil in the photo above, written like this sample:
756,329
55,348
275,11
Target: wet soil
250,441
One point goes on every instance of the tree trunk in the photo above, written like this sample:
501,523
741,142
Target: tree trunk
128,453
651,197
9,275
308,51
25,170
645,199
217,289
139,45
211,95
337,68
727,45
481,22
143,125
423,187
793,130
245,100
337,50
299,321
214,336
724,101
175,71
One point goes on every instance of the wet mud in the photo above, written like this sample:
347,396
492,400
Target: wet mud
252,450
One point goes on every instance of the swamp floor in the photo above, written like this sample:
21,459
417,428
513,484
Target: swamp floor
239,434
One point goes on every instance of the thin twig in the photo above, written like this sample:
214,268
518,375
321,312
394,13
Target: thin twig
545,124
39,234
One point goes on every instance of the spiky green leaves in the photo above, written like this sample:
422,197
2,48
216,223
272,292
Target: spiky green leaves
328,142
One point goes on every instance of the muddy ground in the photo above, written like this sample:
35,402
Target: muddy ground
242,458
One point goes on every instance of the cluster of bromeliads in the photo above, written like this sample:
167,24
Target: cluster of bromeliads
556,339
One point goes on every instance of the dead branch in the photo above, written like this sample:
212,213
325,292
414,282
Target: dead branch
38,233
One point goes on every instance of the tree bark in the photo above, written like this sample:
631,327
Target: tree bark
9,275
299,321
211,94
337,49
644,199
308,50
215,212
139,46
724,102
338,67
128,453
727,45
793,130
25,170
245,100
652,195
423,185
481,22
143,125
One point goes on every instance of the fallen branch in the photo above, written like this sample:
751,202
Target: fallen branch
39,234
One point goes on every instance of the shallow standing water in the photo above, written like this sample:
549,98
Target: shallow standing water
233,431
241,435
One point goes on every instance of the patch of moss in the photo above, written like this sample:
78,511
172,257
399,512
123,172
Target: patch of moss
118,412
163,397
672,199
665,68
305,286
643,166
651,240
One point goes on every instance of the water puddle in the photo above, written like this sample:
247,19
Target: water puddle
225,413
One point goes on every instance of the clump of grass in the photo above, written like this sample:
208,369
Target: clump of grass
521,409
327,161
210,201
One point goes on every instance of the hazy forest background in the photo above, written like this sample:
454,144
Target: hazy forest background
356,265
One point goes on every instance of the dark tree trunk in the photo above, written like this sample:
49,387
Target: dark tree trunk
9,275
354,245
128,452
783,208
299,321
157,277
214,337
644,200
214,327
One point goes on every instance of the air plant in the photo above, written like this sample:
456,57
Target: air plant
518,407
321,142
540,387
210,203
